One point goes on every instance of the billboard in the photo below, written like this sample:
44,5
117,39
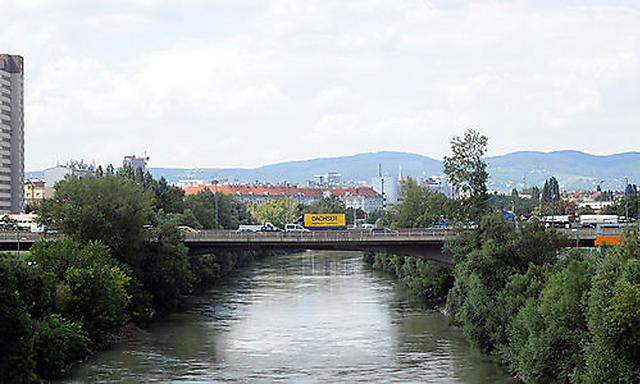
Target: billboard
325,221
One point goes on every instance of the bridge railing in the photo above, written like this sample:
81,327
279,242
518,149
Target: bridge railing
27,236
340,236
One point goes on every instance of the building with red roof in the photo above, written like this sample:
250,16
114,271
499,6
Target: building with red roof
364,198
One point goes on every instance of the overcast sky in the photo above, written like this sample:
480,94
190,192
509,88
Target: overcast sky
245,83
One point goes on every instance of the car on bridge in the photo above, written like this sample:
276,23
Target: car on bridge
383,230
292,227
187,229
266,227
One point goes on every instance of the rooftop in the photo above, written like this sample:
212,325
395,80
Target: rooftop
248,190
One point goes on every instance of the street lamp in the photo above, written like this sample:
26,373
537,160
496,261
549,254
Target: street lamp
215,201
19,239
384,199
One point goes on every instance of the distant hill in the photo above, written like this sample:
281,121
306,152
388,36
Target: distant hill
573,169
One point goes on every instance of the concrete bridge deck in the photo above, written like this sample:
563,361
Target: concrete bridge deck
425,243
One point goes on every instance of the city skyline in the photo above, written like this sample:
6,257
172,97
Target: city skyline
291,82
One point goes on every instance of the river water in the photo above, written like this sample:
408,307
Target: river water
302,318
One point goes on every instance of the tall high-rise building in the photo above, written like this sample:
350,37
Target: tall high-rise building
11,133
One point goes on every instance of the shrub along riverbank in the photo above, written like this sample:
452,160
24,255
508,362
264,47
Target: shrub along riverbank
65,299
547,314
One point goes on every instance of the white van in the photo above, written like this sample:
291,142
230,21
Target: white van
295,228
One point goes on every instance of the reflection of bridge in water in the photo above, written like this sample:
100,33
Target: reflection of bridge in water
423,243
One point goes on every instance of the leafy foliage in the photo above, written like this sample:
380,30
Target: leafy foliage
208,210
279,212
164,269
58,342
613,317
547,334
485,261
467,171
110,209
93,287
465,168
426,280
420,207
551,191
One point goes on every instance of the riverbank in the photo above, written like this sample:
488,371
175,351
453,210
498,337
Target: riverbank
428,281
544,313
67,301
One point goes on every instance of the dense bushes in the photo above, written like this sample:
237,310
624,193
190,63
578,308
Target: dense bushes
423,279
65,299
550,316
90,288
613,317
122,259
57,342
565,318
547,314
485,261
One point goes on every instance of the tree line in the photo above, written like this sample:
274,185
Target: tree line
65,299
546,313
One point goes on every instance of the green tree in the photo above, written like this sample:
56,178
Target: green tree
620,206
57,343
110,209
168,198
467,171
214,210
547,335
329,204
279,212
613,316
485,260
421,207
164,269
92,289
551,191
25,292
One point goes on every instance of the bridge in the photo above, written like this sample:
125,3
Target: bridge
423,243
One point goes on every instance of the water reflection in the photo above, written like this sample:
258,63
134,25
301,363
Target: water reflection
309,317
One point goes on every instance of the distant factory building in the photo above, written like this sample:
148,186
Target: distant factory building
136,162
78,169
364,198
390,186
439,184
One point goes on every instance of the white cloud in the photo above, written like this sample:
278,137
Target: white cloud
240,83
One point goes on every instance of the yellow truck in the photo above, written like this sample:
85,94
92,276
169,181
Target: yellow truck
324,221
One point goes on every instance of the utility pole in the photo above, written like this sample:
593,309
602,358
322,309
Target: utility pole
553,212
215,201
626,200
384,199
540,203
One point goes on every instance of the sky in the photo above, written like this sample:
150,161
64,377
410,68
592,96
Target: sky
246,83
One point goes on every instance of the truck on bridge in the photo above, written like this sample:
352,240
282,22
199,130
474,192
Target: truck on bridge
323,221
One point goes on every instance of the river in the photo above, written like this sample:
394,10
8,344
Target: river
302,318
